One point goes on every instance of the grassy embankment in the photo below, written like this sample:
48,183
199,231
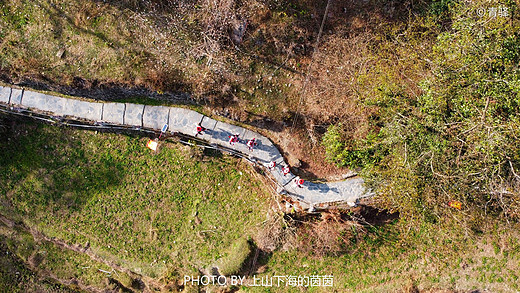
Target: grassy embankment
15,276
155,214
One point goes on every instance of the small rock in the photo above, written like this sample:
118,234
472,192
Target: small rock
349,174
295,162
60,53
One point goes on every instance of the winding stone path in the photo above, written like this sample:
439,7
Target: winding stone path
310,195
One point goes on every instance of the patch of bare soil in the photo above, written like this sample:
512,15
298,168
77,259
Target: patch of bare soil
306,158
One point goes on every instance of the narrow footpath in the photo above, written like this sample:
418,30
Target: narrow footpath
309,195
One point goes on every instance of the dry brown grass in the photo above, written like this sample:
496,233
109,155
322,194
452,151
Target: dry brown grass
275,233
331,235
334,92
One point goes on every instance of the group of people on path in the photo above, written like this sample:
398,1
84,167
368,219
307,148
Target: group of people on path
233,139
285,169
298,182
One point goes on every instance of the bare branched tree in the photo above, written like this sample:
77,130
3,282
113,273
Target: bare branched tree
217,17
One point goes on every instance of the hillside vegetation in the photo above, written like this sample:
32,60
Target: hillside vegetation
420,97
100,211
457,136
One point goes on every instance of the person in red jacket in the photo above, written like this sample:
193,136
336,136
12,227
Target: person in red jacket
251,143
298,181
200,129
285,170
233,139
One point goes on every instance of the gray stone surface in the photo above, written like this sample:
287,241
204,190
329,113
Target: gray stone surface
134,114
62,106
113,112
5,94
155,116
278,175
184,121
350,191
16,97
265,149
222,131
43,102
82,109
218,132
210,125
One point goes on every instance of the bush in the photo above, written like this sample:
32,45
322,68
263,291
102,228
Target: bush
334,144
234,259
350,152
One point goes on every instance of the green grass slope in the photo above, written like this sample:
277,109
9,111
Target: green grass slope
148,212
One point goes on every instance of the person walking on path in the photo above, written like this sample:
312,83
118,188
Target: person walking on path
271,165
298,182
233,139
285,170
200,129
251,144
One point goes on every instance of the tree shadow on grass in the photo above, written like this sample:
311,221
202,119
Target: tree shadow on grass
211,153
46,167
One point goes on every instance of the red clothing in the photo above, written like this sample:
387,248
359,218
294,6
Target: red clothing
251,143
233,139
298,181
285,170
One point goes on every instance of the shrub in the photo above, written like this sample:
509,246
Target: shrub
334,144
350,152
234,259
